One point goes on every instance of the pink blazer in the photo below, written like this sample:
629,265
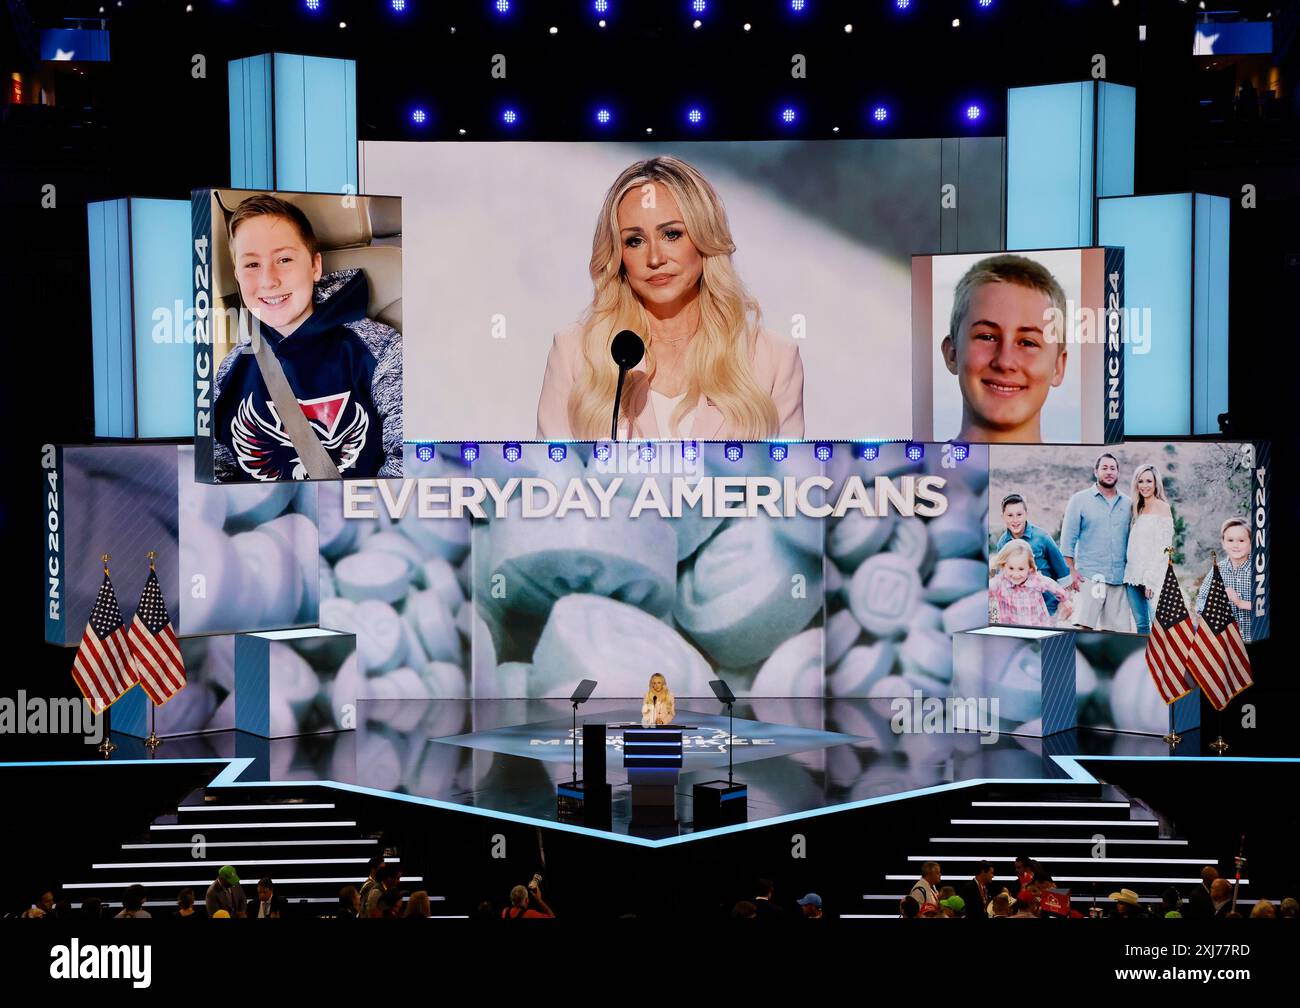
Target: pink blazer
774,362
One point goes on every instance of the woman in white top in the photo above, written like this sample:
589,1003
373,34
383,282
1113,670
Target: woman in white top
1150,534
659,706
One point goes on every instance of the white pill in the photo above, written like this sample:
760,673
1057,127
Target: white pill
306,499
801,532
444,537
291,677
210,564
856,537
926,617
956,578
202,502
483,656
252,504
1135,700
795,668
927,655
278,577
910,539
412,650
299,537
967,613
444,681
343,692
693,530
379,765
283,721
883,593
219,662
379,637
328,589
337,534
834,583
891,686
861,668
438,575
435,625
398,545
223,718
746,592
955,534
1085,677
842,632
189,710
512,679
592,637
363,576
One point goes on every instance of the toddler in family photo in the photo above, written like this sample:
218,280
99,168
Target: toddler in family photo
1016,588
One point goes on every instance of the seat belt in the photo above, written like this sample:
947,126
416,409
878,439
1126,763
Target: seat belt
311,452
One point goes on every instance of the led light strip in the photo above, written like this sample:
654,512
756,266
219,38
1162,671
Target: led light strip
1049,804
234,864
250,843
252,825
277,806
349,880
1082,860
1054,822
1080,878
1048,840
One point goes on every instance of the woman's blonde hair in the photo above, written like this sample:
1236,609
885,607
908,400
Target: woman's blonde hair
1138,500
649,689
717,360
1014,546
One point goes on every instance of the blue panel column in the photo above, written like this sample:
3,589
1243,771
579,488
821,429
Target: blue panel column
1067,144
293,123
1176,329
139,295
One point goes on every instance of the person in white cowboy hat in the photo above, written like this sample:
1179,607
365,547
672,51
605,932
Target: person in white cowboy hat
1127,904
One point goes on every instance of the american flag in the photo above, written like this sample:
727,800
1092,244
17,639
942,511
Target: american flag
1170,639
1217,657
103,669
153,644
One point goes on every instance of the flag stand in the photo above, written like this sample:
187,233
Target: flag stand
153,741
1219,745
1172,738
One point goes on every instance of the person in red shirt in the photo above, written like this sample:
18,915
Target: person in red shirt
526,901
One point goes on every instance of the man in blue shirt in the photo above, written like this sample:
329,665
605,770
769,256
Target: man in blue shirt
1094,541
1047,555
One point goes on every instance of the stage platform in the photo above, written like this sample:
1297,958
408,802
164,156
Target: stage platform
798,757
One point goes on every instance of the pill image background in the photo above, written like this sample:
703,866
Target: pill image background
121,500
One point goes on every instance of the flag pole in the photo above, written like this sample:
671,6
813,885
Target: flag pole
1172,738
153,741
106,748
1218,745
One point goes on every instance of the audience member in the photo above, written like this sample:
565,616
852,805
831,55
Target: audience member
1170,904
268,905
526,902
812,906
764,908
908,908
744,910
349,903
1128,905
925,890
387,878
133,903
418,904
1000,905
1264,908
1220,898
226,894
976,893
185,905
1199,904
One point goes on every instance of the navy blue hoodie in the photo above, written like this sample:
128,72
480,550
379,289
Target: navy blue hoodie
345,370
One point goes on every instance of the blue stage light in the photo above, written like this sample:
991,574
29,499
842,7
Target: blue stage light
823,451
601,6
603,116
915,451
880,114
974,112
798,6
789,114
869,452
690,451
502,6
902,4
960,452
509,116
419,116
984,3
512,452
777,452
424,452
557,452
699,6
694,116
647,452
733,451
399,6
469,453
312,5
602,451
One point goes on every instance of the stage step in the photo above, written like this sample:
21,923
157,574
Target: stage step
298,837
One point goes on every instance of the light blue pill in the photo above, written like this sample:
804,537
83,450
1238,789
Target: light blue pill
856,537
337,534
746,592
955,534
253,504
883,594
861,668
956,578
842,632
379,636
376,575
437,575
433,622
910,539
278,577
795,668
925,658
967,613
444,681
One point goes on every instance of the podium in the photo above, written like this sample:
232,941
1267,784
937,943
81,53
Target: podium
653,760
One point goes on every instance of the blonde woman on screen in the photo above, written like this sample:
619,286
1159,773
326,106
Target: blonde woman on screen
659,706
661,267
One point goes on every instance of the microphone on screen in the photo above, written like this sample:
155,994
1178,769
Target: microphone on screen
627,351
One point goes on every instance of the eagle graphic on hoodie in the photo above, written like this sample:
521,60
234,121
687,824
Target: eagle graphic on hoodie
346,372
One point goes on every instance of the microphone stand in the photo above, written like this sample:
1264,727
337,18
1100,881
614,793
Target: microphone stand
575,743
618,397
731,735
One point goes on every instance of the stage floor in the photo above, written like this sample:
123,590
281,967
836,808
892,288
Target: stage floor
795,755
